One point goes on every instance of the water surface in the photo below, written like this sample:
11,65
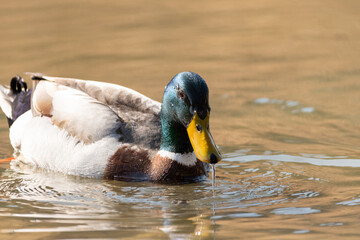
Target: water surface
284,93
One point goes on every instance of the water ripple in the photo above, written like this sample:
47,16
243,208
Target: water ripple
290,105
326,161
295,211
350,203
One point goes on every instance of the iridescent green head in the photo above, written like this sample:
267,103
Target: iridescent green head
185,115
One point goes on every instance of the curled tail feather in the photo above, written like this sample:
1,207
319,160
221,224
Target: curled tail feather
17,85
15,99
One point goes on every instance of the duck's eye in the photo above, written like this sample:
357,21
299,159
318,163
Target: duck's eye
198,127
207,127
181,94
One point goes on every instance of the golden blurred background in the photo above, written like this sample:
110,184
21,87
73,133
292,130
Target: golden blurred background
302,51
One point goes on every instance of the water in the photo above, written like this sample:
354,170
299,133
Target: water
213,176
284,92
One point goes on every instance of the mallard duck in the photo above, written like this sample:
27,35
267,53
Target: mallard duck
15,99
103,130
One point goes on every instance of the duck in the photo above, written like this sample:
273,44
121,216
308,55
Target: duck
103,130
15,99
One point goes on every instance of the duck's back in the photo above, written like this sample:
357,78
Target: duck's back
138,115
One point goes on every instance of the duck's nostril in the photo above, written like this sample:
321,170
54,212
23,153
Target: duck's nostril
213,158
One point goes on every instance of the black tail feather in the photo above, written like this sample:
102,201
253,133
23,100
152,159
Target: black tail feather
17,84
22,99
37,76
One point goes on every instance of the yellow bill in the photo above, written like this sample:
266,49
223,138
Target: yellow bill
202,141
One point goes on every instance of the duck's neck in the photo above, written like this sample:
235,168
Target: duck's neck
174,137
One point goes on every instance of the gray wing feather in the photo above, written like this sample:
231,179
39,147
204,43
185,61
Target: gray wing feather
139,115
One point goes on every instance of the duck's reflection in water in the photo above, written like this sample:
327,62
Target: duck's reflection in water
75,204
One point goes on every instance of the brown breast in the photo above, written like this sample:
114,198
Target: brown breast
136,164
